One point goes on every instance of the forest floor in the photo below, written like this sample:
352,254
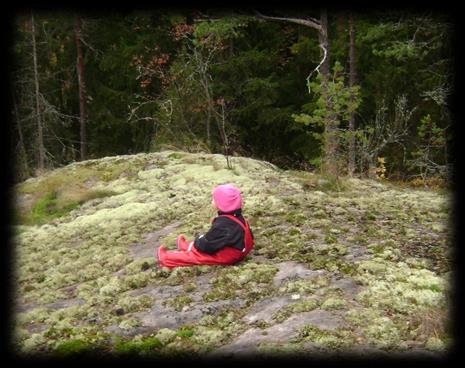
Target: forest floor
357,267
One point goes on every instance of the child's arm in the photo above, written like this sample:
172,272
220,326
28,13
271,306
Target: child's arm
213,240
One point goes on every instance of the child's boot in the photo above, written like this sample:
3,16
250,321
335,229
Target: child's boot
182,243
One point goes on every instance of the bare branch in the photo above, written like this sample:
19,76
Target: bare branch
317,69
312,23
203,17
134,110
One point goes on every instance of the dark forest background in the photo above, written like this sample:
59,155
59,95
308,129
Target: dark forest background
343,92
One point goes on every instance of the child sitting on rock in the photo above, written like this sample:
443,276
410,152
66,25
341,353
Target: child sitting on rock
227,242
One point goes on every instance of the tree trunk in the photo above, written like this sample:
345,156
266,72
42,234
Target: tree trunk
329,166
323,39
209,113
82,87
40,138
206,86
24,168
352,82
224,136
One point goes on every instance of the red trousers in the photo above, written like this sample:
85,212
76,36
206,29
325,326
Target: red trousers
188,255
185,257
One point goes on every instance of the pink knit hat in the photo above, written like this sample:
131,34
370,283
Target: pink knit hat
227,197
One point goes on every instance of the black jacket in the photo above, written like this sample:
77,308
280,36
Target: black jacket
224,232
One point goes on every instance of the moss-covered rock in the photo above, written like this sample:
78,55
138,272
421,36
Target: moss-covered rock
89,252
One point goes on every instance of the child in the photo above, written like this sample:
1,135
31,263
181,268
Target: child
228,241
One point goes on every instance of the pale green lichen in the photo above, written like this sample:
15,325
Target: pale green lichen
332,303
40,314
179,302
165,335
362,316
138,280
19,335
382,333
208,337
227,322
128,324
111,288
32,343
372,267
247,280
117,261
305,286
299,307
399,287
134,303
337,339
435,344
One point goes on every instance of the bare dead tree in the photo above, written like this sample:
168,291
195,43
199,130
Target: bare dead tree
216,109
221,121
383,131
429,167
201,64
205,80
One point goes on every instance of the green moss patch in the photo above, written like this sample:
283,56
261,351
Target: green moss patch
74,347
52,205
138,345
